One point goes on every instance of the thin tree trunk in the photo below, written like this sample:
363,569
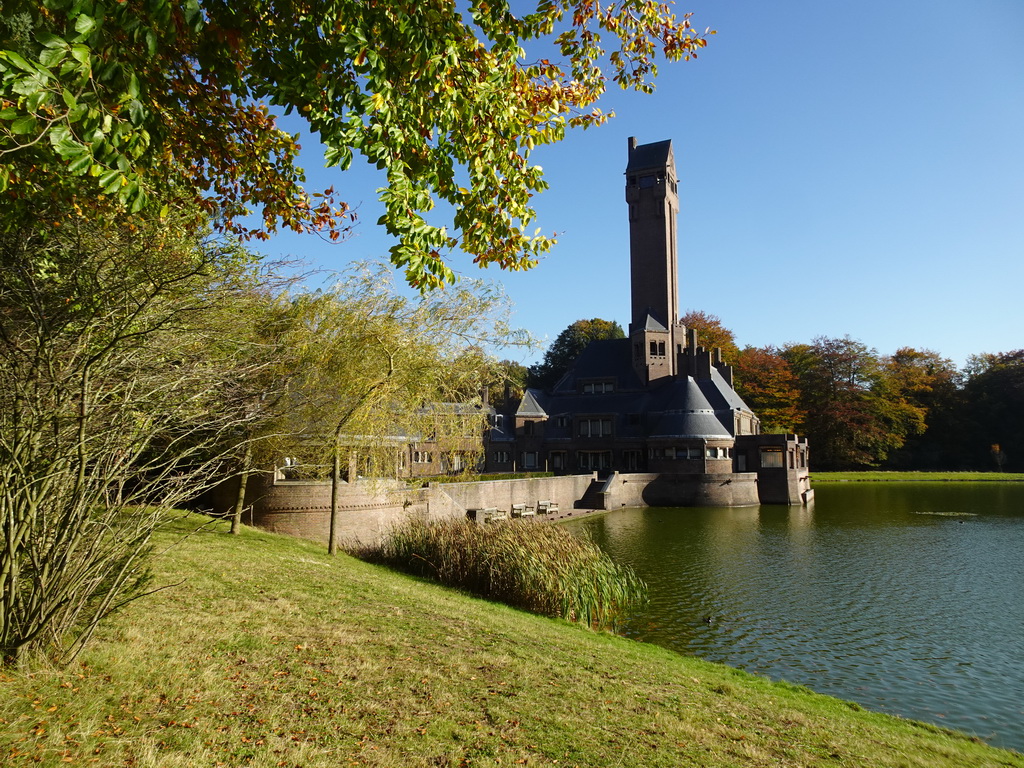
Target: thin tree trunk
243,481
332,545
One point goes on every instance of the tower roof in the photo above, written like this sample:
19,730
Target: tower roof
655,155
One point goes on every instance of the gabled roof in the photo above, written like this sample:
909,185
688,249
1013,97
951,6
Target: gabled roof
650,324
602,359
720,394
529,406
645,156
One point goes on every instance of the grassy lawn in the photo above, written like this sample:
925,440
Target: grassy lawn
269,653
874,477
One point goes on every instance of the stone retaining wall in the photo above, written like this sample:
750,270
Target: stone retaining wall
676,490
302,508
370,507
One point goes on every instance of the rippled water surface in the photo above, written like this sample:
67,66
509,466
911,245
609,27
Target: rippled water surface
904,597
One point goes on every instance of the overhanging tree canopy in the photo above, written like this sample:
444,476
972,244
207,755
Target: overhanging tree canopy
136,98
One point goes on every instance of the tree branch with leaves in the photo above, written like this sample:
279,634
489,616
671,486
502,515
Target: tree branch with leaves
148,101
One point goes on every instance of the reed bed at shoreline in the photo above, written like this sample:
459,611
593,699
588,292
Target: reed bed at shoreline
540,568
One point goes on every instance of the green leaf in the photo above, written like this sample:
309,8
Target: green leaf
23,125
17,60
50,40
51,57
111,179
114,185
26,85
81,53
136,112
77,112
80,164
35,100
139,203
84,25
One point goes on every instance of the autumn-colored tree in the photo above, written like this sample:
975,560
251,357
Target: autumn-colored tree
711,334
149,101
767,384
930,384
567,346
850,413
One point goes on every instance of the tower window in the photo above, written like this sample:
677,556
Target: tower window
647,181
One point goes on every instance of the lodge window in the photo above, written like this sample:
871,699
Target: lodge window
422,457
454,461
502,457
631,459
772,457
595,428
528,428
530,460
557,460
598,387
562,421
594,460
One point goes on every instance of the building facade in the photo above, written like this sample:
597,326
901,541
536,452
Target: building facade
656,403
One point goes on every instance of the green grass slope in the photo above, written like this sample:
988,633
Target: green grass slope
270,653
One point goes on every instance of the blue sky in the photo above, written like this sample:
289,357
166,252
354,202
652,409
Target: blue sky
846,168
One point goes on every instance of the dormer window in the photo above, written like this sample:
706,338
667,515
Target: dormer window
598,387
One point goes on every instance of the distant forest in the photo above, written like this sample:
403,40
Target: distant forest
911,410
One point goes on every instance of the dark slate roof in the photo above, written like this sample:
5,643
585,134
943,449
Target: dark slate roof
687,408
603,359
720,394
656,155
529,406
653,325
692,424
502,434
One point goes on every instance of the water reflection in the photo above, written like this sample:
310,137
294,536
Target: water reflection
905,597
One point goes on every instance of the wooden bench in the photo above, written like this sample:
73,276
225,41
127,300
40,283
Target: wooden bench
546,507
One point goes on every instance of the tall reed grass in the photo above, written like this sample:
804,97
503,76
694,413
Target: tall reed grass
541,568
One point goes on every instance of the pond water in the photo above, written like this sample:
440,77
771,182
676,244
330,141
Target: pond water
907,598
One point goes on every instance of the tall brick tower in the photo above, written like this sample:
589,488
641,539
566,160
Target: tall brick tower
653,199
